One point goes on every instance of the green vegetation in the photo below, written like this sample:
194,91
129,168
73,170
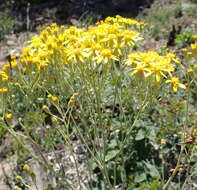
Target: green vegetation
184,39
160,20
6,24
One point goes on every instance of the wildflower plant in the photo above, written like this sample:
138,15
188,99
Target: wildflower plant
94,85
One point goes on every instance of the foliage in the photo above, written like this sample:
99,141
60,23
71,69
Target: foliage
6,24
185,38
160,20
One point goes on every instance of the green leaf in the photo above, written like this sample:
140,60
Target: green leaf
152,170
140,135
140,178
113,143
151,133
111,155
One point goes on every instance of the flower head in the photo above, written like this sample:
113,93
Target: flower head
151,63
4,90
18,177
8,115
175,83
26,167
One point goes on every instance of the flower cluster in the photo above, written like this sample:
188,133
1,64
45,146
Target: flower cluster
4,77
124,21
52,98
102,43
105,43
12,64
193,46
151,63
191,55
73,99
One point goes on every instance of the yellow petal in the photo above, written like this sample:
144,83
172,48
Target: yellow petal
134,72
148,74
175,88
182,86
158,77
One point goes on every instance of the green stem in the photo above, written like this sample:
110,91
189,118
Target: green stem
165,187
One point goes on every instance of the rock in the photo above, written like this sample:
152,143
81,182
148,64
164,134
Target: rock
6,167
63,162
10,43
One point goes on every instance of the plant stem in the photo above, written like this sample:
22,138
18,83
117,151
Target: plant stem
175,170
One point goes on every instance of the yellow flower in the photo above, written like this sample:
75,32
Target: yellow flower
105,56
42,65
53,98
140,68
54,119
151,63
54,28
184,49
3,76
14,64
96,47
158,70
3,90
104,42
17,84
8,115
26,167
76,94
175,83
18,177
194,36
190,70
36,42
72,99
6,67
17,188
44,34
77,54
193,46
123,21
44,107
13,57
24,70
129,38
172,57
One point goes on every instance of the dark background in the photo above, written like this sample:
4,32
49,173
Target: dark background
62,9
